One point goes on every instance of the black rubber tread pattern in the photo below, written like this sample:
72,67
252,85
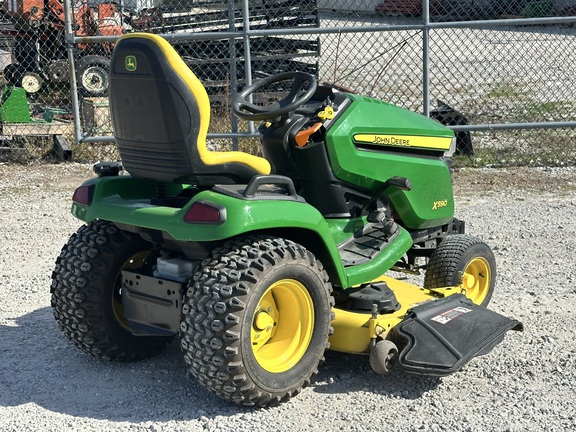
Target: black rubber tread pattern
215,315
450,258
82,288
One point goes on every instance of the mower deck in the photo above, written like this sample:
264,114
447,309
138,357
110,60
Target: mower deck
439,329
354,330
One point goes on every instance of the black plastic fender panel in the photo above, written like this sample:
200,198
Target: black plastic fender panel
442,336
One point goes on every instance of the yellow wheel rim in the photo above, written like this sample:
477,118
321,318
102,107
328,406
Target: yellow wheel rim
282,326
476,280
134,262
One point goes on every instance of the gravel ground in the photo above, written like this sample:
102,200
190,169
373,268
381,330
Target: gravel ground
528,216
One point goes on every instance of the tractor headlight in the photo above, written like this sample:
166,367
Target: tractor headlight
450,152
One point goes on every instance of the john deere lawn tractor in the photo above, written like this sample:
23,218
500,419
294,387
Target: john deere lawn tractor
259,264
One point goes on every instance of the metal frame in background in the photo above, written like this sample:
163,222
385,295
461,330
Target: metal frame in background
247,33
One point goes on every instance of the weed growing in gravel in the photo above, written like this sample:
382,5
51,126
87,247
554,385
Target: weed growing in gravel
505,90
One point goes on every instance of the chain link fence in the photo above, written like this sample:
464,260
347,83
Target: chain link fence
500,73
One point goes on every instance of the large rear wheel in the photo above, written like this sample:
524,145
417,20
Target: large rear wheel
86,292
466,261
256,320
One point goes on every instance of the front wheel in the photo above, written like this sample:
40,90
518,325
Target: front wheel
256,320
86,292
466,261
13,74
32,82
93,75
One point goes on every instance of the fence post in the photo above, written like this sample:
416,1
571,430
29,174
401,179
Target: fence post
426,58
247,56
69,40
233,71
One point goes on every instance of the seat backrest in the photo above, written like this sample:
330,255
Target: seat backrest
160,114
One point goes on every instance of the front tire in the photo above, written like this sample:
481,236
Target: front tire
256,320
463,260
13,74
32,82
86,298
93,76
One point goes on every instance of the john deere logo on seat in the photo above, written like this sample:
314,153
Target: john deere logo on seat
130,63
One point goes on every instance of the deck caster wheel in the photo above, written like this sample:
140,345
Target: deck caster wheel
383,356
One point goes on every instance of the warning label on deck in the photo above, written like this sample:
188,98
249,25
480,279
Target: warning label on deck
452,314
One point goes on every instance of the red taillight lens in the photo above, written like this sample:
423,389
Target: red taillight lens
83,195
206,212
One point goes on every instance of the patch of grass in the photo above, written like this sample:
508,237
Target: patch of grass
504,90
221,122
545,111
471,181
94,152
24,150
537,147
546,107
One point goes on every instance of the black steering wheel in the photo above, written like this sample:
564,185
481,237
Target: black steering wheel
296,98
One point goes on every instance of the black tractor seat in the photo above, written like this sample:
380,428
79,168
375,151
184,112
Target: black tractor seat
160,115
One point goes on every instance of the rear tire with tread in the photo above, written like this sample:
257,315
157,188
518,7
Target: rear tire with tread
86,297
221,316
